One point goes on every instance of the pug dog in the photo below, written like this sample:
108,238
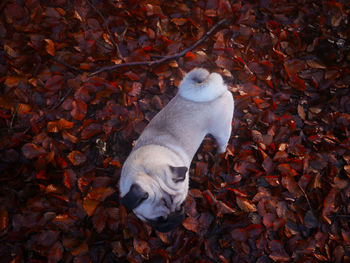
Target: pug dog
154,178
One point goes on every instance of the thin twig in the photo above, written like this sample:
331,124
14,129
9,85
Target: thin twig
62,99
307,198
66,64
13,116
165,58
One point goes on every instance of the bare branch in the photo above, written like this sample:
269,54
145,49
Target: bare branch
164,59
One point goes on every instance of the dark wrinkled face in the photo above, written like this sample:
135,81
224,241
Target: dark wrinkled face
159,199
173,220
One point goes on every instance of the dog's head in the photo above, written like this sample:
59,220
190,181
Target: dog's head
157,195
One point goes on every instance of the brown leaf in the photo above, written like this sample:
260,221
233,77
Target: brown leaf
223,209
179,21
54,83
91,130
285,168
141,246
55,253
291,185
315,64
4,220
99,219
31,150
301,112
329,205
190,223
239,234
245,204
76,157
100,193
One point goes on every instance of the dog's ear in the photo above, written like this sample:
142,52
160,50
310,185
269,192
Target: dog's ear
134,197
179,173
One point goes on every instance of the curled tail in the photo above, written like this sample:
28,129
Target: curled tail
199,85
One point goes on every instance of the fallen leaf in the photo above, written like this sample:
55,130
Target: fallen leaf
31,150
245,204
76,157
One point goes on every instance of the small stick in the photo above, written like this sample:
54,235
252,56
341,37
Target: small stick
307,198
13,116
165,58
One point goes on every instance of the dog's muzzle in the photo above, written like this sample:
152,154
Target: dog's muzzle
165,225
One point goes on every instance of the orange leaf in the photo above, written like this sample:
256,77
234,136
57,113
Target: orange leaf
23,108
190,56
12,81
69,178
179,21
76,157
90,205
52,126
31,150
100,193
65,125
50,47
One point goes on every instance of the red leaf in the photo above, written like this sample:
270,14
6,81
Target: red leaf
269,219
99,219
55,253
239,234
285,168
54,83
190,56
91,130
79,109
31,150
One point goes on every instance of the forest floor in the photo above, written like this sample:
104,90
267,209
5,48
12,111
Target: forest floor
69,116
